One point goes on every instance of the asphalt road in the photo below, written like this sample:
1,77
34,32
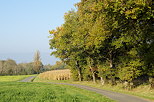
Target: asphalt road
29,79
119,97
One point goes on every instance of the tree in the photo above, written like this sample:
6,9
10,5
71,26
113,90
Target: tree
67,42
11,67
26,68
8,67
37,62
2,68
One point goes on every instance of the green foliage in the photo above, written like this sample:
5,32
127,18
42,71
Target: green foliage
26,68
104,70
130,70
87,75
10,67
74,75
114,39
59,65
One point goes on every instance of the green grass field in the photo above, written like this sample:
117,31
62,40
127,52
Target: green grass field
13,78
12,91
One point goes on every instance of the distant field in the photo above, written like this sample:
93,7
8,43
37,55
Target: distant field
44,92
13,78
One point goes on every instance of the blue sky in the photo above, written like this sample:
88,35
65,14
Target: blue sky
24,26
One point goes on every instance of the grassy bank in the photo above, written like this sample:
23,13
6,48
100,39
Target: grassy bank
141,91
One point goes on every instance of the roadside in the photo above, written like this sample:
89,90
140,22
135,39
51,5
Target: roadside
142,91
110,94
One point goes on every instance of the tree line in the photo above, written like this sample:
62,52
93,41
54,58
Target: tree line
107,39
10,67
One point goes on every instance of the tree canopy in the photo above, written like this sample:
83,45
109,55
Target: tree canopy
107,39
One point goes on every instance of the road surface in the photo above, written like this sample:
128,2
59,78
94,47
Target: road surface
29,79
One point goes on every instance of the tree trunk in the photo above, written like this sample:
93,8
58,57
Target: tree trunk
102,81
94,77
151,80
79,73
152,86
111,60
113,82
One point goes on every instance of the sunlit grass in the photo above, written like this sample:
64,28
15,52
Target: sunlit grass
13,91
43,92
13,78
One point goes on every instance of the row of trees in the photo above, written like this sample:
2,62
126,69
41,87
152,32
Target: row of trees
10,67
107,39
59,65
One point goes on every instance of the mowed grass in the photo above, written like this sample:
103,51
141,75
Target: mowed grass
13,78
44,92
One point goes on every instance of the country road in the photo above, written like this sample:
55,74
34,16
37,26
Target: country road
119,97
29,79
